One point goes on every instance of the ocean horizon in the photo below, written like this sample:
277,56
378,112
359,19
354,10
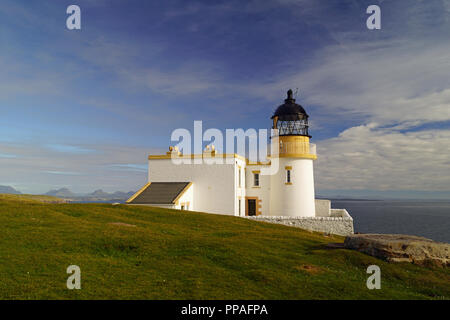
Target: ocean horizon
425,218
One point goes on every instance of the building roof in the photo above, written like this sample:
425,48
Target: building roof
160,193
290,110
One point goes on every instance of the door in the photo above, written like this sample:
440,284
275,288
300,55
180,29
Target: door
251,205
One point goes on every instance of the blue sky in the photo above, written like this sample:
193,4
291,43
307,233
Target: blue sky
82,109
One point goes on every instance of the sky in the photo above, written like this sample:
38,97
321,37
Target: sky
83,108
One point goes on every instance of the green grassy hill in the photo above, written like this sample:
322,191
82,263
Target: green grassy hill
132,252
30,198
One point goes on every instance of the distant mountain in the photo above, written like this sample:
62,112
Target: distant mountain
100,196
61,193
105,195
124,195
9,190
96,196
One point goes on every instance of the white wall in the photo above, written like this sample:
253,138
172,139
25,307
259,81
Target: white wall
323,208
187,199
240,191
262,192
296,199
342,225
214,184
216,188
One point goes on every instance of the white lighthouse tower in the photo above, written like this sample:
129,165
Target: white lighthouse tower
292,187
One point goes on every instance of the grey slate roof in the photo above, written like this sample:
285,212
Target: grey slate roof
160,193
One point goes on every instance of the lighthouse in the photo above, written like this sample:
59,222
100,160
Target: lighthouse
279,189
292,186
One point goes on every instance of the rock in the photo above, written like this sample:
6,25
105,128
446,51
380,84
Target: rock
335,245
401,248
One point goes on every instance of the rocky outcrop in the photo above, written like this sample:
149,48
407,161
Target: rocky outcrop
401,248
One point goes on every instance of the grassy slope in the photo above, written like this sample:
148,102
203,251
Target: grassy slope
183,255
30,197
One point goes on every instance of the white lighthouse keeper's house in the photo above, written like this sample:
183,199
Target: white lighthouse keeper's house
238,187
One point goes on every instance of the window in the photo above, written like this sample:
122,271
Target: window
239,207
239,173
288,176
245,178
256,179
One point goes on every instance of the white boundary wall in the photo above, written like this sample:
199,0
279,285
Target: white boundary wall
339,223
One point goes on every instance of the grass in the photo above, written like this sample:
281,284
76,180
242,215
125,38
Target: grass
136,252
30,198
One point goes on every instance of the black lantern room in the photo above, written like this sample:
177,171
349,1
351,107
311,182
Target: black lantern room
290,118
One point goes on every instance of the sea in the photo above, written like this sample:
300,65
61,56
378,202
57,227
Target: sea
429,219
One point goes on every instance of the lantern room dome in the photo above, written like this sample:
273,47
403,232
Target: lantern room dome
290,111
290,119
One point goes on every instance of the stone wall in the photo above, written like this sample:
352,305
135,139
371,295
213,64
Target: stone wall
339,223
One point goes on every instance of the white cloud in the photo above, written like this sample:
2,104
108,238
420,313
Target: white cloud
8,156
385,82
391,87
365,157
69,148
67,173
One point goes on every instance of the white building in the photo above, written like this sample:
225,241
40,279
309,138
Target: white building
238,187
